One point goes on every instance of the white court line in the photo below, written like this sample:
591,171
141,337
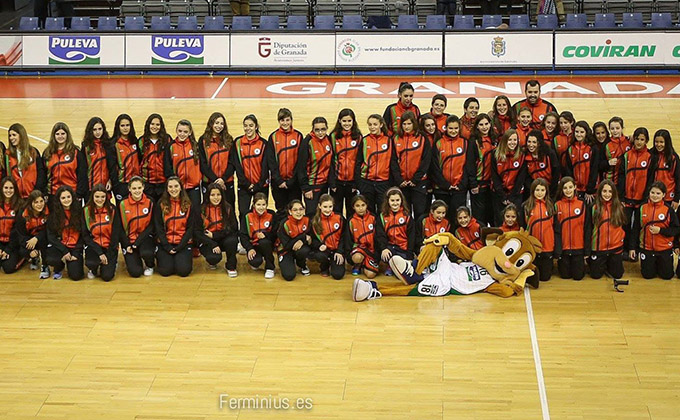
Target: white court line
537,356
219,88
33,137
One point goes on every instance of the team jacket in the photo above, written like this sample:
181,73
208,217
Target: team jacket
582,164
101,164
64,169
538,110
250,162
153,161
501,124
397,230
548,138
448,165
479,161
615,148
428,226
506,228
8,216
136,220
315,166
32,178
374,160
666,172
345,150
471,235
522,134
220,225
466,126
333,233
393,113
174,229
292,230
215,163
180,161
27,227
560,144
507,177
633,174
128,157
654,214
252,224
283,147
440,121
572,226
547,168
541,226
362,231
606,237
411,154
68,238
101,232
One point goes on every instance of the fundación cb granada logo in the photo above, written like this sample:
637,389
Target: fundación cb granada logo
349,49
498,46
177,49
74,49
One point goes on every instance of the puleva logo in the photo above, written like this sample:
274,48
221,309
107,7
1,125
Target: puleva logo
177,49
78,49
349,49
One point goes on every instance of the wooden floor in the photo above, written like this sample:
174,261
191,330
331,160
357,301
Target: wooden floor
166,348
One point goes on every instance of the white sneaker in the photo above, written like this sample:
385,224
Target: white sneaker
212,267
90,274
364,290
44,272
269,274
305,271
148,272
241,249
57,275
34,264
232,273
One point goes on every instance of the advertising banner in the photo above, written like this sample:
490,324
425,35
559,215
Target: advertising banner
604,49
74,50
276,49
10,51
484,49
396,49
183,50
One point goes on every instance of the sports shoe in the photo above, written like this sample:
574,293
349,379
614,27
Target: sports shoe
305,271
90,274
34,264
232,273
57,275
325,273
212,267
148,272
389,273
45,272
241,250
356,271
269,274
364,290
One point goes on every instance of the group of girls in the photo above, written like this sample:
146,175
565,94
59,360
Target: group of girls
341,197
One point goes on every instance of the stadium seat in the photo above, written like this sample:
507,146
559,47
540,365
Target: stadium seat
576,21
107,23
463,22
160,23
242,23
27,23
324,22
491,21
134,23
352,22
54,24
546,22
296,22
605,20
632,20
270,23
435,22
80,23
661,20
213,23
407,22
519,22
187,23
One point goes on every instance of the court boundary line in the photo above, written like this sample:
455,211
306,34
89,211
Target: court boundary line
29,135
219,88
537,356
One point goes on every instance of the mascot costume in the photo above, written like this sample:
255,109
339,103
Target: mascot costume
501,268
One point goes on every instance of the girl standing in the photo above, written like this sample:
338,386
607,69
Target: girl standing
127,153
563,140
541,162
294,241
136,228
100,156
219,231
214,147
617,146
100,235
346,140
31,231
469,120
583,161
329,239
64,165
393,112
174,224
283,146
665,167
482,146
10,204
607,233
362,233
524,125
439,103
250,164
257,235
153,144
572,230
23,162
64,239
539,216
182,161
315,169
508,173
449,170
550,127
504,116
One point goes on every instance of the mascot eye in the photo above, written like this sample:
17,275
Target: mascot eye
523,261
511,247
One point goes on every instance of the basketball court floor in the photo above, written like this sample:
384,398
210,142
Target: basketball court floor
211,347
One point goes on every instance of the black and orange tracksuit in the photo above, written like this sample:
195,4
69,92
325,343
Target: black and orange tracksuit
548,138
375,169
656,257
152,166
174,230
522,134
466,126
560,144
215,162
470,235
583,163
250,163
333,234
396,232
501,124
180,161
8,216
449,172
345,150
33,177
540,224
411,154
290,231
393,113
666,172
282,157
538,110
615,148
440,121
28,226
362,231
428,226
136,227
507,182
68,240
632,177
606,244
315,169
101,234
547,167
65,169
101,164
128,157
224,231
253,223
479,168
573,233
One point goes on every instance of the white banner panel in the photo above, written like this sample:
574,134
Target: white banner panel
396,49
484,48
177,50
74,50
277,49
672,48
10,51
597,49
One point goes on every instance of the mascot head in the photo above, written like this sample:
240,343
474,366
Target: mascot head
509,255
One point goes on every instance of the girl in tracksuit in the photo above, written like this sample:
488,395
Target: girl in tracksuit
395,234
468,121
346,141
583,161
362,228
23,162
539,218
64,165
393,112
655,226
182,160
432,223
10,205
572,230
614,149
152,145
128,155
607,238
550,127
257,235
437,113
469,232
174,223
482,146
524,119
64,237
665,167
294,236
100,235
214,147
135,215
250,164
283,146
218,230
329,239
541,162
315,168
508,173
99,154
563,140
601,134
504,116
30,229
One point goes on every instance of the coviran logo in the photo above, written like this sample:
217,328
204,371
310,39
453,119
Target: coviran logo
608,50
177,49
83,50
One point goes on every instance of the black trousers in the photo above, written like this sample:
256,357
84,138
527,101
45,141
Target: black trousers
121,192
145,253
26,253
227,245
154,191
453,199
482,207
283,196
245,199
93,263
374,193
628,224
11,264
571,266
195,197
343,195
416,197
609,262
180,263
327,262
289,260
395,250
312,203
263,252
75,268
656,264
544,266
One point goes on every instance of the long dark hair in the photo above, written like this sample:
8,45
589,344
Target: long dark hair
90,207
164,201
589,140
617,217
542,148
15,201
34,195
409,116
56,220
437,134
668,151
512,114
385,209
337,130
27,152
163,136
191,138
316,220
224,139
69,147
476,135
132,137
226,208
531,201
560,187
88,137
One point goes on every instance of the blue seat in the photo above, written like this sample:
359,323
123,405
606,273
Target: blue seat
324,22
605,20
546,22
107,23
213,23
576,21
242,23
160,23
27,23
296,22
80,23
187,23
519,22
632,20
407,22
491,21
270,23
54,24
435,22
661,20
352,22
134,23
463,22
